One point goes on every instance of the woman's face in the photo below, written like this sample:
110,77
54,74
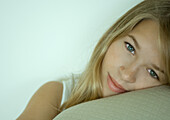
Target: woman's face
133,61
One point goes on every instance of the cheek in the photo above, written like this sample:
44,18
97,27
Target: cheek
110,62
146,84
143,80
116,55
110,58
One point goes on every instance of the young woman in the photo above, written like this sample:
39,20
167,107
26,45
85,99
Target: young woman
133,54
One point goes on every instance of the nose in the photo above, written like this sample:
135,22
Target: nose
128,74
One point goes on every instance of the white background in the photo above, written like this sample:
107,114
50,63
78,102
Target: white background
43,40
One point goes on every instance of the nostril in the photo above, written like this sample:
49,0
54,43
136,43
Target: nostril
127,74
122,67
128,77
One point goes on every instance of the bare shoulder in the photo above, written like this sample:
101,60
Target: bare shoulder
51,92
52,86
44,103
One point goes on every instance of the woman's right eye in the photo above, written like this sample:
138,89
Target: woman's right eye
130,48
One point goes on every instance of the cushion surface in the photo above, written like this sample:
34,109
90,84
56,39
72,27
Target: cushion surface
147,104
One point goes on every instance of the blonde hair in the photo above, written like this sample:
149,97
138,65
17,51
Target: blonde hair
89,85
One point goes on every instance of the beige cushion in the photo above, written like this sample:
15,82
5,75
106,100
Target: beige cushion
147,104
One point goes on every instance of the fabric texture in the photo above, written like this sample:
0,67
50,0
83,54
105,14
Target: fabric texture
147,104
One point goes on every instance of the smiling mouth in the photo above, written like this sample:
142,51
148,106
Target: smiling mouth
114,85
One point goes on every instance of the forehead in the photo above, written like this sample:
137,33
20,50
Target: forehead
146,34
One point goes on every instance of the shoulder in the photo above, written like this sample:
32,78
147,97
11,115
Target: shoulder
52,86
52,91
44,103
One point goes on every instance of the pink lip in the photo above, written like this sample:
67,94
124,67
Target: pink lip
114,86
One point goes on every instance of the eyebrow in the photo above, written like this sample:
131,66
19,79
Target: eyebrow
134,40
137,45
157,68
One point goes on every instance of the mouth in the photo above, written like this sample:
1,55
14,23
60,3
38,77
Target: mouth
114,85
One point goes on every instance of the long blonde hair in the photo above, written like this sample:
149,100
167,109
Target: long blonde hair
89,85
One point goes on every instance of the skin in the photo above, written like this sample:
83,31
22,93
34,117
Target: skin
129,67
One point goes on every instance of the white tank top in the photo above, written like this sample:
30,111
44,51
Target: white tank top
67,88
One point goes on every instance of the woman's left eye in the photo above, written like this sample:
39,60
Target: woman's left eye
130,48
153,74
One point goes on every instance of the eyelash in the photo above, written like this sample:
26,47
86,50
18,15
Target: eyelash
149,70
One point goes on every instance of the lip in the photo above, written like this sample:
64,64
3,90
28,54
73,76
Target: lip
114,85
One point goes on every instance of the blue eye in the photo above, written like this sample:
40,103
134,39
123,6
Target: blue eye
130,48
153,74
